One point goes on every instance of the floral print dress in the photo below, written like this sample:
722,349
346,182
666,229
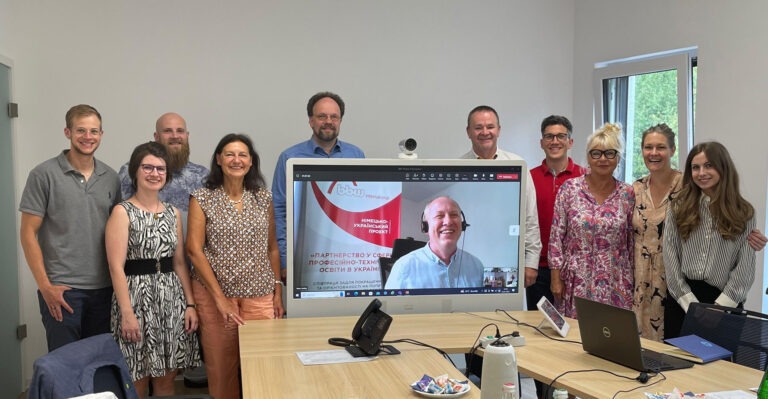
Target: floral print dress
592,245
650,274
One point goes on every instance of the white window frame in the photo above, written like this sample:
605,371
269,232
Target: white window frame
679,60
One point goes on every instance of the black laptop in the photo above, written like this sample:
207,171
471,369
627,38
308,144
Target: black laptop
611,333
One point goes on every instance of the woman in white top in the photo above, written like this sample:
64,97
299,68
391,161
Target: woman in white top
706,252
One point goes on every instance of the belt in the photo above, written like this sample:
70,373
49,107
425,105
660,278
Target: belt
134,267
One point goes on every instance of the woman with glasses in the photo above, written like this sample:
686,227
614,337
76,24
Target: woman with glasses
591,243
153,315
232,243
707,255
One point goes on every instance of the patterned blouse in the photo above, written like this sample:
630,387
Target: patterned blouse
592,245
236,242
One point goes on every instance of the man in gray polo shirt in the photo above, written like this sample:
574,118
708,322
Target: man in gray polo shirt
64,210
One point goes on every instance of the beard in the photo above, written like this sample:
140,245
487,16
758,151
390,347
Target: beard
327,133
178,158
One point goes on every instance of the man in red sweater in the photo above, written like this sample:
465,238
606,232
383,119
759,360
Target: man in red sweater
555,169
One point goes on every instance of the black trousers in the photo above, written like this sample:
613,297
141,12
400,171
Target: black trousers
674,314
534,293
540,288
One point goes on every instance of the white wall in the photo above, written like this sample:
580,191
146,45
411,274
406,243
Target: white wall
405,69
732,88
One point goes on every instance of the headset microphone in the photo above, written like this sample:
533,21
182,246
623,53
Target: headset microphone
425,225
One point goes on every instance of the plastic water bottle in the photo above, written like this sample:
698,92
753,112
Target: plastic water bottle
499,367
762,391
560,393
509,391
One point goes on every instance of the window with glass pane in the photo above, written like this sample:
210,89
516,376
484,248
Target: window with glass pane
639,102
642,93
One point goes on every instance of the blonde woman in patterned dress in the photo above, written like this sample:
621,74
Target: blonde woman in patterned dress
153,319
591,242
231,241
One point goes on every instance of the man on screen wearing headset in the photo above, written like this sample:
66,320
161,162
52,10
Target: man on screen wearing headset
440,263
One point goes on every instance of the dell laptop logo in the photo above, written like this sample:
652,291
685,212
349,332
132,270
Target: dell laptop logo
606,332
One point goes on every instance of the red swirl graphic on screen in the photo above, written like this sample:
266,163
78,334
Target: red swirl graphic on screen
379,226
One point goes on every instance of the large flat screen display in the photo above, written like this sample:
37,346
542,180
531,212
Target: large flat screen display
420,235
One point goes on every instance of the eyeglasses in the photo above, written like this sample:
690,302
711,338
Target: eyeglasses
609,154
551,137
334,117
82,131
148,169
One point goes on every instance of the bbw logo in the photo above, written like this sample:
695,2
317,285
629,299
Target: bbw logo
386,218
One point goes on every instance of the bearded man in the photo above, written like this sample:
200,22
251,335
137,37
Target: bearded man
171,131
325,111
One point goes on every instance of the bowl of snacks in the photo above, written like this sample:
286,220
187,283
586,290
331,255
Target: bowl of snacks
440,387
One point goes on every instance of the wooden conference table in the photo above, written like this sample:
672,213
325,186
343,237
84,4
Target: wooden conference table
271,369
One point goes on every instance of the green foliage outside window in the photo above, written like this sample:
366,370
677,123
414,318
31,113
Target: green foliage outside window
655,102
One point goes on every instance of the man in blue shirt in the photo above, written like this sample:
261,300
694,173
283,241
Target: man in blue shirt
325,111
440,263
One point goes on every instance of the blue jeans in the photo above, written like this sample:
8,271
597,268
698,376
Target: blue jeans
91,316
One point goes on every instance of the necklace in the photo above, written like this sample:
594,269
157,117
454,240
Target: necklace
156,213
235,202
556,171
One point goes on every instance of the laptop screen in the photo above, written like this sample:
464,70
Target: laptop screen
611,333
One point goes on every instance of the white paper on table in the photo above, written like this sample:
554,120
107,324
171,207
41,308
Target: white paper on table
332,356
729,395
676,394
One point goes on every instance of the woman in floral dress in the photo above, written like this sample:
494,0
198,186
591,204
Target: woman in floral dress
653,193
591,243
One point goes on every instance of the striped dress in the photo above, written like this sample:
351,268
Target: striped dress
157,299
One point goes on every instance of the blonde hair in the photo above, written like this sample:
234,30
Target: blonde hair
608,136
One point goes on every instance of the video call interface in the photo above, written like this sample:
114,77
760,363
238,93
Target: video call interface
347,219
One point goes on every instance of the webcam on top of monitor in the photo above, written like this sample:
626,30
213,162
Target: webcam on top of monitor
407,149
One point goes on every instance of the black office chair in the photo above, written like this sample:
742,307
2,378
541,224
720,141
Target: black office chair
400,247
743,332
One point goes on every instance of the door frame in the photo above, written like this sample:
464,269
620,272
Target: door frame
11,376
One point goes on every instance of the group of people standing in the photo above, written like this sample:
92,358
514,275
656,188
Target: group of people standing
108,254
607,236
